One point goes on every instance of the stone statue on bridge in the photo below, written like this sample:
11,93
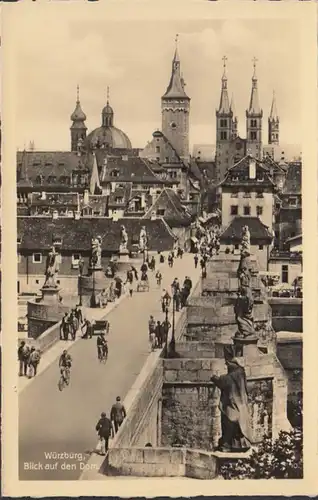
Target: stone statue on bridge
96,258
51,270
235,422
244,268
123,240
143,239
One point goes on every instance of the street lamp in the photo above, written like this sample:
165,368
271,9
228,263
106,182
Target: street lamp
172,346
93,297
80,266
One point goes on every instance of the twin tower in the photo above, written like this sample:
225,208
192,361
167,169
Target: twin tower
175,107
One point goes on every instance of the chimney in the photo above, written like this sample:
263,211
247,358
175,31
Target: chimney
252,168
124,157
55,214
143,200
86,197
43,195
153,216
77,215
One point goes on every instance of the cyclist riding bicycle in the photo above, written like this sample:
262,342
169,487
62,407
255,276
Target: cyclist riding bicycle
65,364
102,348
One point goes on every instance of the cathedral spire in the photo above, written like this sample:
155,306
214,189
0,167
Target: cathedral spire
254,107
224,107
176,85
273,114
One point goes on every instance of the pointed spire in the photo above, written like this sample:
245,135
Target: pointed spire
232,106
94,180
254,107
273,114
176,85
107,113
24,177
107,94
224,107
78,114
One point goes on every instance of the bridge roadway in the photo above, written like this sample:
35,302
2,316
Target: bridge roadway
64,422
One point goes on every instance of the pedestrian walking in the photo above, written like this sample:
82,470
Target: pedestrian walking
78,314
151,325
152,341
170,260
158,335
33,362
117,413
23,358
104,430
87,326
177,299
196,260
166,325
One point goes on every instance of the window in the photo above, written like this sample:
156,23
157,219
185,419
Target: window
285,274
236,247
293,202
119,199
114,173
76,257
234,194
223,122
234,209
19,258
173,125
157,149
167,159
223,136
254,123
253,136
260,247
259,211
161,211
37,258
259,195
247,194
247,210
58,282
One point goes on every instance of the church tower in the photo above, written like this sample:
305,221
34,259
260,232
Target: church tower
175,109
273,123
224,128
254,115
234,119
78,127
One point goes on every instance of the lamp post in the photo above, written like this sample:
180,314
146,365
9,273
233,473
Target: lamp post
80,265
93,298
172,346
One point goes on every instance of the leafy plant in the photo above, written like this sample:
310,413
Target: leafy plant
281,459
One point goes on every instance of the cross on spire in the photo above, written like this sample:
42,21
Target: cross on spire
107,95
254,61
224,59
77,93
176,39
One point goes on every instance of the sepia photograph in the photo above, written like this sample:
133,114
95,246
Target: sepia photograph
159,245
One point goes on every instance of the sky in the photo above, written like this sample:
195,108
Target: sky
55,53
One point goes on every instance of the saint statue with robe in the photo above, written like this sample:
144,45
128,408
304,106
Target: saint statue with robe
96,258
123,239
52,268
236,431
143,239
243,310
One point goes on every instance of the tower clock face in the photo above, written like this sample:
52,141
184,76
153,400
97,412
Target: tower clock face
173,125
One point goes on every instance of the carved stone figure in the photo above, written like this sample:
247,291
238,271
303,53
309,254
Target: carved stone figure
246,241
143,239
244,313
123,239
235,422
96,258
52,269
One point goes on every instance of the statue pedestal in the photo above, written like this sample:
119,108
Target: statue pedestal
91,285
123,263
247,347
44,313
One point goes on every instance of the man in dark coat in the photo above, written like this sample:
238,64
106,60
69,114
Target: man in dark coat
236,432
23,357
104,429
159,334
117,413
78,314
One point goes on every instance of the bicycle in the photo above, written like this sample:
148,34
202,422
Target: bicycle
64,378
103,354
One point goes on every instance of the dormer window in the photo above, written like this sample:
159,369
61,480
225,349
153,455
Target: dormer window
19,240
114,173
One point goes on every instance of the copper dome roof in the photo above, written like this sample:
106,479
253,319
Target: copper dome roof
110,136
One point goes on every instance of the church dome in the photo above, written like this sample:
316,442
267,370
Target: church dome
111,137
108,136
78,114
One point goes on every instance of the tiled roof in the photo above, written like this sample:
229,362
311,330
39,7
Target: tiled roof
257,229
133,169
239,174
57,164
96,202
52,199
293,179
36,233
175,212
124,193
